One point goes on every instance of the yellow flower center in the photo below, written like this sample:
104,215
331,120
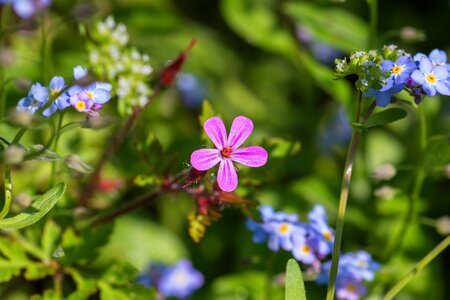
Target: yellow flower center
55,92
80,105
431,78
283,228
227,152
327,235
397,70
90,95
351,287
305,248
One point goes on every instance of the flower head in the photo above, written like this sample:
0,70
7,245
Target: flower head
37,97
178,281
228,151
399,70
432,79
27,8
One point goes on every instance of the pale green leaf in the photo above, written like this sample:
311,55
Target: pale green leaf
295,287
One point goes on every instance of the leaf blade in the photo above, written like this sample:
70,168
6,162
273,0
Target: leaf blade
295,287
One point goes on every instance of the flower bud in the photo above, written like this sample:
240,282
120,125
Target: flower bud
14,154
384,172
20,118
194,176
443,225
75,163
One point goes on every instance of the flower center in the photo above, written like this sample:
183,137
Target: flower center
283,228
227,152
90,95
55,92
431,78
351,287
80,105
397,70
305,248
327,235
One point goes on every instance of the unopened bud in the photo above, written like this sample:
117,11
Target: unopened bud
7,57
24,200
384,172
75,163
14,154
443,225
385,192
194,176
99,122
447,171
411,34
20,118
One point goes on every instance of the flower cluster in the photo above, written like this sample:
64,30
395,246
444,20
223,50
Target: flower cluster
308,242
228,151
88,99
354,270
383,75
27,8
178,281
127,68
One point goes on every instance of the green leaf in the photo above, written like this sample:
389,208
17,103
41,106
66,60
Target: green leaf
385,117
86,284
295,287
85,247
120,273
50,238
75,163
35,271
107,292
336,27
279,147
150,149
37,210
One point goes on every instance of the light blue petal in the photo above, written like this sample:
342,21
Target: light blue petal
440,72
418,56
403,60
425,65
50,110
383,99
418,77
57,83
79,72
62,101
387,65
101,96
104,86
438,56
24,8
442,89
73,90
429,89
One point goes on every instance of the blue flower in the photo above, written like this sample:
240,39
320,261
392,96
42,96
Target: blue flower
192,90
360,265
383,96
320,231
432,79
37,97
56,85
27,8
349,288
181,280
178,281
399,71
304,247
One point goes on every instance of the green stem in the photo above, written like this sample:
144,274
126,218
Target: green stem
353,146
8,192
55,146
419,178
373,7
417,268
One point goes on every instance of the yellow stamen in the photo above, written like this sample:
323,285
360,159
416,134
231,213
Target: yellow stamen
55,92
305,248
283,228
351,287
431,78
90,94
327,235
80,105
397,70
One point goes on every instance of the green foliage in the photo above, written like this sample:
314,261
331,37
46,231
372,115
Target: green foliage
384,117
336,27
38,209
295,287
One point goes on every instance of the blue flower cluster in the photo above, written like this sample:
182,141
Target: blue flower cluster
88,99
312,242
421,75
308,242
354,270
27,8
178,281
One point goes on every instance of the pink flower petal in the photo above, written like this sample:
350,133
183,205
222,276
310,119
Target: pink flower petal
216,131
241,128
253,156
204,159
227,177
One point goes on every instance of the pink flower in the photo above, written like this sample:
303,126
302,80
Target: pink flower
227,150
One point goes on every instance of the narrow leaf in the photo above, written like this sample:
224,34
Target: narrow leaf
385,117
295,287
37,210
